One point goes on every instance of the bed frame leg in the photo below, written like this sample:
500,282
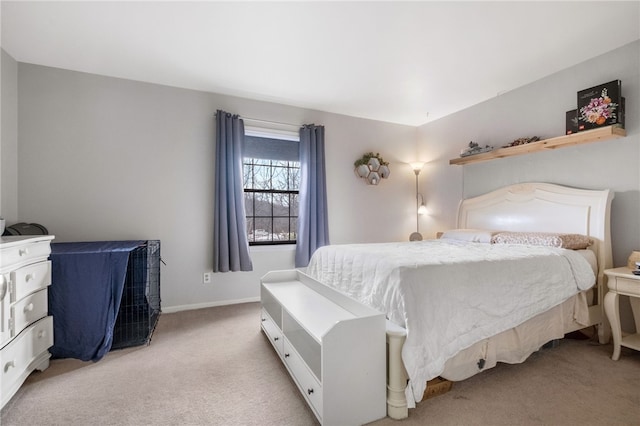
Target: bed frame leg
604,332
397,407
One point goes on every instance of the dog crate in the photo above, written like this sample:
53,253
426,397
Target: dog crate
140,303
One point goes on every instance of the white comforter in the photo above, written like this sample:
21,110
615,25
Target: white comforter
450,294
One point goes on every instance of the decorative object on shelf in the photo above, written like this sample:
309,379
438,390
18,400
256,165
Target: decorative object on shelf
372,168
522,141
420,207
474,148
600,106
571,122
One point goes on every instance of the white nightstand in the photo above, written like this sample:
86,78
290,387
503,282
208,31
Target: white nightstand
622,281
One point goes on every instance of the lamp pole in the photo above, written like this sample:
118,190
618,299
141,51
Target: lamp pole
416,236
417,172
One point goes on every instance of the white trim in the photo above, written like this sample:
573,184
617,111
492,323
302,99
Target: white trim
268,132
180,308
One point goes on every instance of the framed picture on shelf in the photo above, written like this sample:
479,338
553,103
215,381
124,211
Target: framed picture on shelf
600,106
571,122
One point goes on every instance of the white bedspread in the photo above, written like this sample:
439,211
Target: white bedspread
451,294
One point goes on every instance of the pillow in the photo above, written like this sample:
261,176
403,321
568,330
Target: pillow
551,239
471,235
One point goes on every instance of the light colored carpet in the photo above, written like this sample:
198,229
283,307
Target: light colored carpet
214,367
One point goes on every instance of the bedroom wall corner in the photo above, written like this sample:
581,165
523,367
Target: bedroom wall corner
9,138
538,109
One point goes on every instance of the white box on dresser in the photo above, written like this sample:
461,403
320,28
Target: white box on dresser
26,332
333,347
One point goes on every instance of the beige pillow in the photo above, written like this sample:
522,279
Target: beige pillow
551,239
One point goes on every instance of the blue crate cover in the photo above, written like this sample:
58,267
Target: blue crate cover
84,297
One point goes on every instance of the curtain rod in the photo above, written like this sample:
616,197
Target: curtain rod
297,126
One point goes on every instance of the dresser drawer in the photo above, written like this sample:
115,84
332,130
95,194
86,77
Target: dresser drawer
28,310
308,384
17,356
30,279
272,331
23,254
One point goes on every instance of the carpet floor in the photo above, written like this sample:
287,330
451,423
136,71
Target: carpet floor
214,367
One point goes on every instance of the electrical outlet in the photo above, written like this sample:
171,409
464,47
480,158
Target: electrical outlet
206,278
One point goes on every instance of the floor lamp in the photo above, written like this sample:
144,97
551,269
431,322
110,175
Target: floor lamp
417,236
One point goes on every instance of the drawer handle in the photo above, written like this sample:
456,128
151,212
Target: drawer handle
264,319
29,277
28,308
23,252
8,365
41,334
310,391
276,339
3,286
286,355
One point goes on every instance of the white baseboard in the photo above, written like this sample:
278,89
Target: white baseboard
179,308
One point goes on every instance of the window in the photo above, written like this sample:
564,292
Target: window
271,168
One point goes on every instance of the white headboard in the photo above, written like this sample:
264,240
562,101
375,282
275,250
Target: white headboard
544,207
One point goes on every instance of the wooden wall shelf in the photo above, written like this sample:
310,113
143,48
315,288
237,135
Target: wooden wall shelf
595,135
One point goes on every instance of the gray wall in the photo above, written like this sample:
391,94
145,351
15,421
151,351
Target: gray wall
108,159
539,109
101,158
9,138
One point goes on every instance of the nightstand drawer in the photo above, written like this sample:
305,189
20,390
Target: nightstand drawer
626,286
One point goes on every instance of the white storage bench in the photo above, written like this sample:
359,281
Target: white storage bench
333,347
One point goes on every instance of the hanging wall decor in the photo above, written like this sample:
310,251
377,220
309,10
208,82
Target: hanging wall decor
372,168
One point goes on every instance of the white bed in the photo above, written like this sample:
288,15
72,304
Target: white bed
524,326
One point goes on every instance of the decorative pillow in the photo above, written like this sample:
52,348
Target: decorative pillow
568,241
471,235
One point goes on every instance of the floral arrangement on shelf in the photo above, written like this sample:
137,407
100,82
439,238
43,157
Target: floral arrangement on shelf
599,109
522,141
372,168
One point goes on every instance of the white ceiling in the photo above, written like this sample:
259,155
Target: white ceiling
401,62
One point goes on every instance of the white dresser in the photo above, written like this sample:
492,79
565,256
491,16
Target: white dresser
26,332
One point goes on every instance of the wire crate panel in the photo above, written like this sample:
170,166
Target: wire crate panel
140,303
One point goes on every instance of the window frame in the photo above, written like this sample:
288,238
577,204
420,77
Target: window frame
250,214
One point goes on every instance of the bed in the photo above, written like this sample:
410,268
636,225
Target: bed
509,314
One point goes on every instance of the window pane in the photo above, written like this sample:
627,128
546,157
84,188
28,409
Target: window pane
247,175
281,204
280,178
262,177
250,232
294,176
263,231
281,229
249,204
263,206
